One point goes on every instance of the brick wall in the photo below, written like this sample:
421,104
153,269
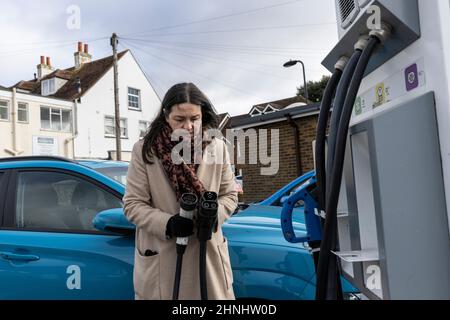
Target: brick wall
257,186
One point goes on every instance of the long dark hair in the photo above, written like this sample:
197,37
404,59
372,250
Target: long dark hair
178,94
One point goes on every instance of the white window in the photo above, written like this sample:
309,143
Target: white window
4,110
48,87
143,126
269,109
134,98
55,119
22,112
123,128
255,112
110,127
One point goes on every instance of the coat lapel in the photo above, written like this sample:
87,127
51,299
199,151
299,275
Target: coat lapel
205,169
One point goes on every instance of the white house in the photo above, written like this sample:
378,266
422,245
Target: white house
90,85
31,124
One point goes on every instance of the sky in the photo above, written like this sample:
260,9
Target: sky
233,50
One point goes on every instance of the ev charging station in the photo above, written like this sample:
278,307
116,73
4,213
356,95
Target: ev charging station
394,201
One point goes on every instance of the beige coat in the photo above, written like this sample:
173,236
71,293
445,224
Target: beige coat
150,201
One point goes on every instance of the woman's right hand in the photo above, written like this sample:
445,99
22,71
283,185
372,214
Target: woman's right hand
178,226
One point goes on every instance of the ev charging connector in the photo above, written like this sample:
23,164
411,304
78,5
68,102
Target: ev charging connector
188,204
206,222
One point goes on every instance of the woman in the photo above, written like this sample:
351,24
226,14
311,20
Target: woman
155,184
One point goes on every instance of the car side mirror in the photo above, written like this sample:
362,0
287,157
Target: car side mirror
113,221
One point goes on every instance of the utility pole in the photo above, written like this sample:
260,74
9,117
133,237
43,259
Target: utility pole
114,42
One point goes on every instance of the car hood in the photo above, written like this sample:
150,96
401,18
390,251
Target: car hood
261,224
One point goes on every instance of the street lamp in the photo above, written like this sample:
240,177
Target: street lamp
291,63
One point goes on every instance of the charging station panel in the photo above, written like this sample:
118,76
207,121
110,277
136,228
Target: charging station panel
401,15
396,227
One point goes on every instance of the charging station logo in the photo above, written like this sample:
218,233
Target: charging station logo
411,77
358,106
380,95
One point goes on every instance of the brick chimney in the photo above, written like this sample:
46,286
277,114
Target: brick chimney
44,68
82,56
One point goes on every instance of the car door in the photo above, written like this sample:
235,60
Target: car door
48,246
4,175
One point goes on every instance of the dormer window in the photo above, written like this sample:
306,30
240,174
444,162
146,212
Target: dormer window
48,87
269,109
255,112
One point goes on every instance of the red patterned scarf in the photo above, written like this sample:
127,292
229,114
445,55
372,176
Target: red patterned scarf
182,176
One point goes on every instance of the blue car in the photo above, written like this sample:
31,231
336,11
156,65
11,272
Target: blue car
64,236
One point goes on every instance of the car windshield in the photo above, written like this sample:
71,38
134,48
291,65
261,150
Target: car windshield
117,173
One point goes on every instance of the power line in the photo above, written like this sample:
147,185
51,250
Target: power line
43,47
244,29
52,41
215,58
212,57
151,79
225,45
190,71
240,51
220,62
187,70
216,17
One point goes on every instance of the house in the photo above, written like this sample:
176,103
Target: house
222,120
89,84
273,106
296,124
31,124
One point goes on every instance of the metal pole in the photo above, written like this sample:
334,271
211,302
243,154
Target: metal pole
298,152
114,43
304,81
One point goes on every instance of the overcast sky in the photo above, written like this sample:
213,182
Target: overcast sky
234,52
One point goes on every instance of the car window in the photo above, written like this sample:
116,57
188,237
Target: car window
1,184
117,173
55,200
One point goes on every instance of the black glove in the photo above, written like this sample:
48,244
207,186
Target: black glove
178,226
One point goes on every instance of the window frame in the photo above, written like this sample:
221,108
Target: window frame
52,112
9,218
107,135
8,110
139,108
255,112
26,112
47,85
147,124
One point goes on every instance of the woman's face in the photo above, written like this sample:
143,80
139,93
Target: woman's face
185,116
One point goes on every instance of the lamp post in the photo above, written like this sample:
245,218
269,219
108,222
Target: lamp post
291,63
